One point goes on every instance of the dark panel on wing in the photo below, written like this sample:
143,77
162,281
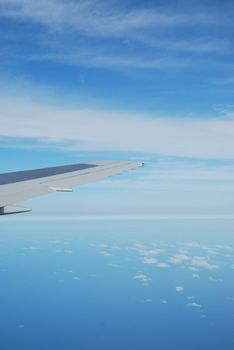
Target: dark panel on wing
10,178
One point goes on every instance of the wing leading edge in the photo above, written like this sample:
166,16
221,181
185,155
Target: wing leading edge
23,185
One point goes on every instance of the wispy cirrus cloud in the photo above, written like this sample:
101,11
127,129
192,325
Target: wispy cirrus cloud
97,18
113,35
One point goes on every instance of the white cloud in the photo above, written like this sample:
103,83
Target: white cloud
103,245
101,60
183,251
33,248
201,262
195,275
143,278
210,251
162,265
150,261
98,18
153,261
194,269
194,305
212,279
68,251
179,289
103,33
147,251
178,259
225,247
196,171
193,245
113,265
104,253
67,271
57,218
148,300
164,301
93,129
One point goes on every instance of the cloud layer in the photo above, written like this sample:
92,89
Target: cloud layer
93,129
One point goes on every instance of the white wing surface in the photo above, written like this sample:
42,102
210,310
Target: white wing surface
23,185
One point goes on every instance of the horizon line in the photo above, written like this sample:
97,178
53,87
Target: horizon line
115,217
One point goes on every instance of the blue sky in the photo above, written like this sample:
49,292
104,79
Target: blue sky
139,80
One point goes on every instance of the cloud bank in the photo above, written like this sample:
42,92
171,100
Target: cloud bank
93,129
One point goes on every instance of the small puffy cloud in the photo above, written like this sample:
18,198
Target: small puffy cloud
139,246
195,275
150,261
190,297
179,289
193,245
143,278
183,251
146,251
149,252
102,245
164,301
212,279
199,261
34,248
104,253
211,251
148,300
193,269
155,262
232,266
67,251
179,259
162,265
67,271
194,305
113,265
225,247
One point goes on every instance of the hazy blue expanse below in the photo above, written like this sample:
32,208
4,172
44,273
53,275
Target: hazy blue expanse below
117,285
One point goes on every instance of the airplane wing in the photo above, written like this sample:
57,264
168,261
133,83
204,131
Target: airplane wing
23,185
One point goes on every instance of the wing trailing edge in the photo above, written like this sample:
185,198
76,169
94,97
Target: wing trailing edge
24,185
